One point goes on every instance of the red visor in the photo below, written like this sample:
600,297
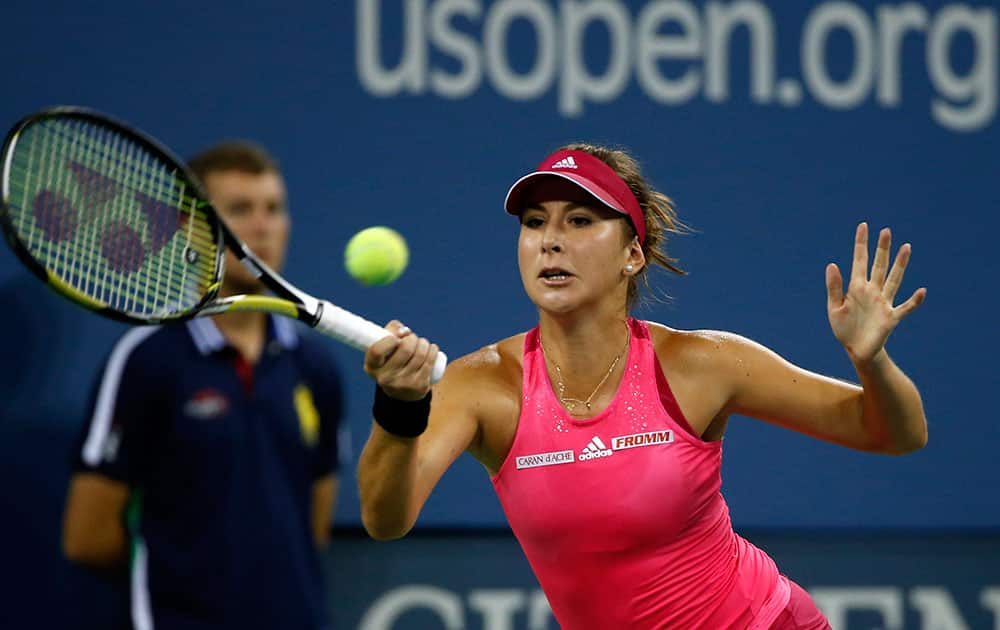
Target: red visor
590,174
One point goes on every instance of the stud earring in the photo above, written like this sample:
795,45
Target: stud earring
628,268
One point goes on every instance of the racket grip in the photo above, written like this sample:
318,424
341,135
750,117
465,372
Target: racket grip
359,333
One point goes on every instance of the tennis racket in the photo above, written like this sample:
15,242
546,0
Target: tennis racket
112,220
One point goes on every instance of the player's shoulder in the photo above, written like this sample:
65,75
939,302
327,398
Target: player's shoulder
663,334
693,348
486,383
493,366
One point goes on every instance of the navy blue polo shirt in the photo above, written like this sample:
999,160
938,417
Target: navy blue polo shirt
220,457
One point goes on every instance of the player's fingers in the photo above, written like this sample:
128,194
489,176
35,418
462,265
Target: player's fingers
425,365
398,328
911,304
402,354
419,356
834,286
859,266
881,262
431,360
896,273
380,352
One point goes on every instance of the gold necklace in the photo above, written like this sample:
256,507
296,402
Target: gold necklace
571,403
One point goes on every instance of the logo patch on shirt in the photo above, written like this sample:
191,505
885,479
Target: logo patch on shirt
596,448
206,404
308,415
642,439
545,459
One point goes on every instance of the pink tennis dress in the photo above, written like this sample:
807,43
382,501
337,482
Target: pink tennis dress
620,515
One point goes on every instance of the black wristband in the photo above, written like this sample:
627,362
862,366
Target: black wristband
403,418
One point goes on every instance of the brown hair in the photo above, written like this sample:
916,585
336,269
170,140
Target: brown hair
657,209
233,155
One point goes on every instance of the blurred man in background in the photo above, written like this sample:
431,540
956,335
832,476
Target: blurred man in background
208,465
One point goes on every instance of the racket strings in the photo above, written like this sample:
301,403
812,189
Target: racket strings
104,215
105,144
71,265
87,252
119,291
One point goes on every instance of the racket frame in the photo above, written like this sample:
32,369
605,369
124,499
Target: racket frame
290,301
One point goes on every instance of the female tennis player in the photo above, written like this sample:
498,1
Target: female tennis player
602,433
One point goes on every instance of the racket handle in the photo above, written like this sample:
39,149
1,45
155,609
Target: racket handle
360,333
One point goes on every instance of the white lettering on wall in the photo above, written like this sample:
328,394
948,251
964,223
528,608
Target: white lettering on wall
499,609
934,607
680,49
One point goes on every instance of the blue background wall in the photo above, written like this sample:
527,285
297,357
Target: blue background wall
805,119
926,581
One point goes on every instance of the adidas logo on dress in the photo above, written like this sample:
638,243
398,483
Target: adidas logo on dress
566,162
596,448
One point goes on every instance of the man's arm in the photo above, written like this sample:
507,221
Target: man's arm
93,521
126,402
324,502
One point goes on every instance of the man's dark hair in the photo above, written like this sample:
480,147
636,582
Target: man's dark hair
233,155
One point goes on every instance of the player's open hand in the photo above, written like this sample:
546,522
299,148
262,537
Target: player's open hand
401,363
862,318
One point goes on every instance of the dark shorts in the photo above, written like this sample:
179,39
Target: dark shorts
801,613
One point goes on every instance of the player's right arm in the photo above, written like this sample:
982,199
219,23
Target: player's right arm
396,474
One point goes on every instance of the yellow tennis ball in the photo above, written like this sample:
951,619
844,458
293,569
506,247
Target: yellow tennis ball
376,256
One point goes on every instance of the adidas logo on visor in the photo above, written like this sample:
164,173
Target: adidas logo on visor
595,449
566,162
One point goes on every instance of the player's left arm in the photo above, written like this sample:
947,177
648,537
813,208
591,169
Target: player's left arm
885,413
